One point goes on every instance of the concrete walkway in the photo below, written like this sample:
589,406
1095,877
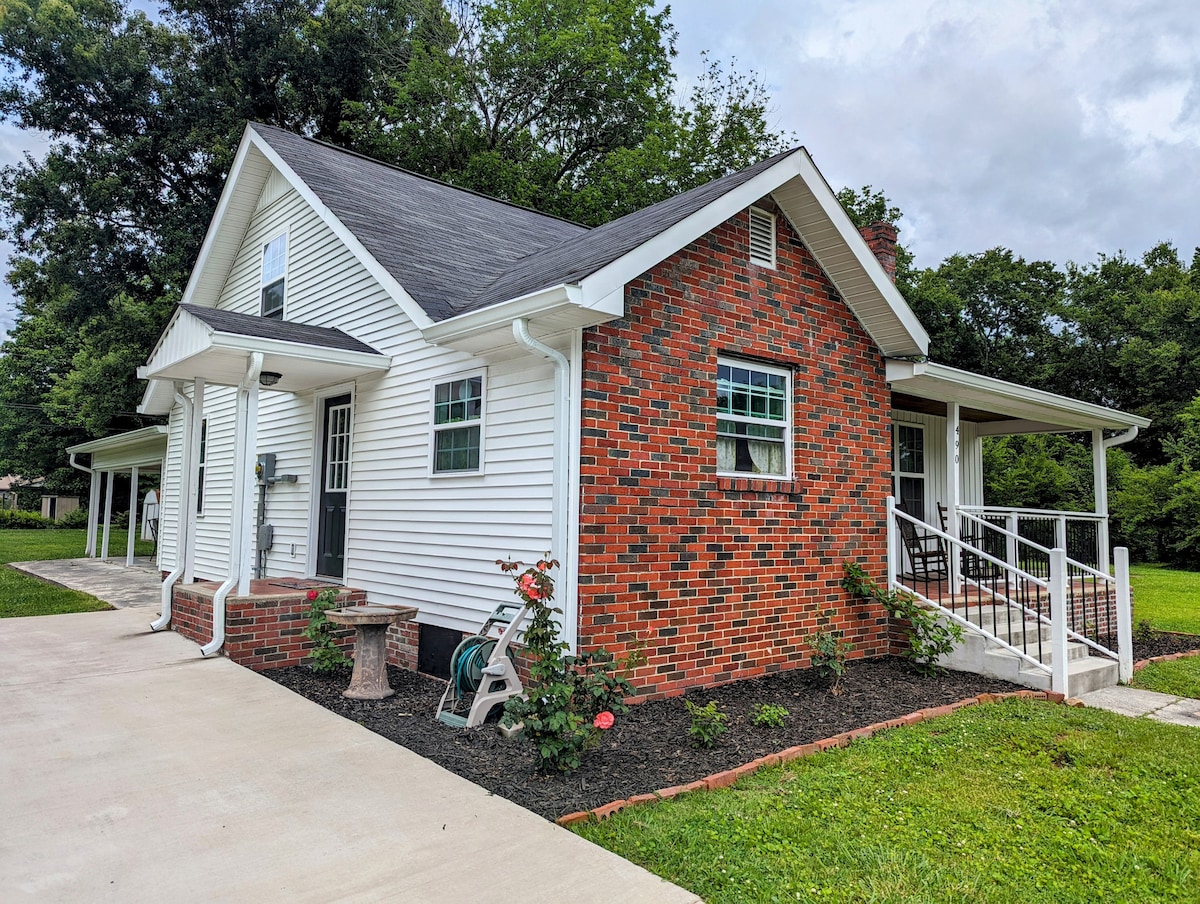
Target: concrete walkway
133,770
1132,701
117,585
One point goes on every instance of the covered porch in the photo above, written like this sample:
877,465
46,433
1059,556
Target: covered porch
1016,576
135,453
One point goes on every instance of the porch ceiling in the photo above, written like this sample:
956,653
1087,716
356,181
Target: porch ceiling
999,407
214,345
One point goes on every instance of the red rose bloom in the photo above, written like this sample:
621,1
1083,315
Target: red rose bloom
604,721
312,594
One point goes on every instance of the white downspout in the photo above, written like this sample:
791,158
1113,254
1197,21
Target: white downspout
183,520
1100,447
247,392
559,530
93,503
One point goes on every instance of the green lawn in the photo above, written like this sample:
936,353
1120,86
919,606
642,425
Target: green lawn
1018,801
1167,597
23,595
1180,677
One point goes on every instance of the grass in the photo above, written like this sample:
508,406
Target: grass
1180,677
1004,802
1168,597
22,595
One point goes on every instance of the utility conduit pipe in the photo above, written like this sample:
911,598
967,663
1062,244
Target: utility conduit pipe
182,520
237,539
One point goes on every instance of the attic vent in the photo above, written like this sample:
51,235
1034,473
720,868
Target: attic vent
762,237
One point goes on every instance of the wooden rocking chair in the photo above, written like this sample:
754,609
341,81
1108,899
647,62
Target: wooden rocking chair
926,553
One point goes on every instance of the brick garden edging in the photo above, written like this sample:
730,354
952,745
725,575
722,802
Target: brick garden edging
1168,657
729,776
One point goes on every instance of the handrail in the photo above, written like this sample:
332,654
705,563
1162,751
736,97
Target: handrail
1031,543
1043,513
930,529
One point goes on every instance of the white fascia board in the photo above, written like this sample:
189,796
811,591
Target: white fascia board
407,303
613,277
951,379
833,210
234,184
119,440
501,315
158,399
161,338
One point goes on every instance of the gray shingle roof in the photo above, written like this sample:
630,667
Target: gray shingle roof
456,251
438,241
282,330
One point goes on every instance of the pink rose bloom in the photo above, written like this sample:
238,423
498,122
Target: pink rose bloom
604,721
312,594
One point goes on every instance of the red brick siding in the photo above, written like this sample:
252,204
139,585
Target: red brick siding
723,578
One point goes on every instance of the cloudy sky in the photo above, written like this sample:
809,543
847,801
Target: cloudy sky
1060,130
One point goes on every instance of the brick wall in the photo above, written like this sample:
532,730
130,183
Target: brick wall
265,631
723,578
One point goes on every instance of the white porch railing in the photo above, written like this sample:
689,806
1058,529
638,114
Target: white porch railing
1084,535
977,580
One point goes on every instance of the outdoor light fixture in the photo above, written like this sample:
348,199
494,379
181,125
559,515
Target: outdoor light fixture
268,378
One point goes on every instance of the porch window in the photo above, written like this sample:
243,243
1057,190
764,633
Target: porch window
274,270
457,424
753,419
910,469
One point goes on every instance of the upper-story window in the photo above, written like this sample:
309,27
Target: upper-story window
458,424
762,237
274,277
753,418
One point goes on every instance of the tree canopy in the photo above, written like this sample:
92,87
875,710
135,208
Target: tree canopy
568,106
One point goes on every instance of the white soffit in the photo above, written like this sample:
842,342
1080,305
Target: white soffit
1034,407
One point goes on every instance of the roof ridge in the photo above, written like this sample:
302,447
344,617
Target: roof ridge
407,172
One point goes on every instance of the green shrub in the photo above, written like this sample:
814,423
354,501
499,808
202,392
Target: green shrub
24,520
828,655
327,657
770,715
72,520
708,723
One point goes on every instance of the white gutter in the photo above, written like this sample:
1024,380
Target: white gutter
183,520
559,530
1121,438
237,538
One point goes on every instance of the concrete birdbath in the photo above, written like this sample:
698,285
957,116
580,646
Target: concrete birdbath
369,681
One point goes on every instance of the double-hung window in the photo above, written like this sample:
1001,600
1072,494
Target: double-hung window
458,424
753,419
274,276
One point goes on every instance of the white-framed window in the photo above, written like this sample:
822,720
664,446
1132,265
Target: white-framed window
458,424
910,468
202,457
762,237
337,449
274,277
754,407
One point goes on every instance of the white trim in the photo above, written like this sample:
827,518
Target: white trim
435,428
898,474
284,234
766,217
937,381
317,479
789,435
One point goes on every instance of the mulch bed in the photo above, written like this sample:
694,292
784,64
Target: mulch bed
1164,644
648,748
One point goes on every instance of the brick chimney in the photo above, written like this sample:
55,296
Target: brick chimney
881,239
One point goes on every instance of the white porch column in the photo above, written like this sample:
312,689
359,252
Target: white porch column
108,494
189,491
1100,483
93,511
953,485
133,520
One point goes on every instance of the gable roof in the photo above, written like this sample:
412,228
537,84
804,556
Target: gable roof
463,265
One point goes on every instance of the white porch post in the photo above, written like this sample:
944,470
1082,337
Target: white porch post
243,490
1100,483
1058,620
953,487
93,511
893,544
133,509
189,491
108,494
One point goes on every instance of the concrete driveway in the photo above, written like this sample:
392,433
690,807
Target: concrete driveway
132,770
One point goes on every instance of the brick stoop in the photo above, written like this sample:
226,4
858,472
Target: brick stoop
728,777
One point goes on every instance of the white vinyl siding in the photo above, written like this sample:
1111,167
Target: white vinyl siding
970,461
412,538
